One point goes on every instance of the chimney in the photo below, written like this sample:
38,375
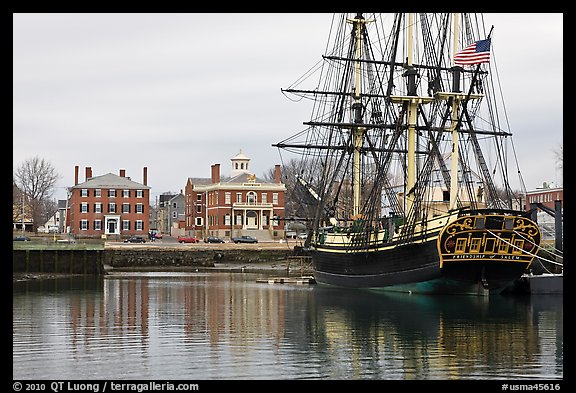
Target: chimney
216,173
277,177
88,172
122,172
145,174
76,175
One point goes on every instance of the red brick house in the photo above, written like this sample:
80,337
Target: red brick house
239,205
545,195
110,205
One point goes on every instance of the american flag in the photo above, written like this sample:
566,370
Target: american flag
477,53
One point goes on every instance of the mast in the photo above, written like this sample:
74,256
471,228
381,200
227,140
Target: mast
411,101
358,132
455,105
412,111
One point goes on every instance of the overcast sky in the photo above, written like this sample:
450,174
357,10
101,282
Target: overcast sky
179,92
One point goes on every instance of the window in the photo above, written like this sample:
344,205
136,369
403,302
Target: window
98,207
238,197
227,219
480,223
139,208
84,192
227,198
199,197
112,193
139,194
489,246
198,208
503,246
174,205
264,197
97,193
84,207
475,244
139,225
125,225
98,225
460,245
264,220
275,198
174,214
518,243
111,207
84,225
251,198
199,221
239,219
125,193
125,208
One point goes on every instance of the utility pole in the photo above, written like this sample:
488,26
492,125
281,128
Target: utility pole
22,213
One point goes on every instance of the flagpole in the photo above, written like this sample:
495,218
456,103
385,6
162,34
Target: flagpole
455,123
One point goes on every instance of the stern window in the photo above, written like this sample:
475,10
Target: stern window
460,245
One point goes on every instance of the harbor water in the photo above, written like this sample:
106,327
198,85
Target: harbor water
228,326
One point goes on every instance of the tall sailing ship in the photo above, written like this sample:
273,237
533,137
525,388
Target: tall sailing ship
402,169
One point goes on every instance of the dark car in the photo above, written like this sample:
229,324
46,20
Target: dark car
21,239
213,239
244,239
187,239
135,239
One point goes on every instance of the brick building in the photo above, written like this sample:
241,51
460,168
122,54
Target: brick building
545,195
111,205
239,205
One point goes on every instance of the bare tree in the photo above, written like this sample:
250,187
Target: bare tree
559,157
36,178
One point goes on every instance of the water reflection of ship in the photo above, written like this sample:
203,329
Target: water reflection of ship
414,337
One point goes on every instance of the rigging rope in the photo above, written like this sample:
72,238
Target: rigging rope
524,251
539,247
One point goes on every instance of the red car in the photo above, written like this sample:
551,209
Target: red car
187,239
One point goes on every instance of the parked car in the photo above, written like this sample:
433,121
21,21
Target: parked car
244,239
135,239
187,239
213,239
21,239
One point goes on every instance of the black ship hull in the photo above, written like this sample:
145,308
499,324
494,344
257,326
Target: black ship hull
448,261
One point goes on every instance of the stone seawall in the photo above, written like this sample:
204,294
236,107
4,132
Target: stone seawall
142,258
132,257
58,261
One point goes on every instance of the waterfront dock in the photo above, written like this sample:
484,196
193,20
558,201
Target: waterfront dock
287,280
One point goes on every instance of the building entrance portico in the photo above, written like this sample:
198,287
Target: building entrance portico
251,220
112,225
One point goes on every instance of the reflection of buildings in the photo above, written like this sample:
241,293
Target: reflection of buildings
224,310
323,332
